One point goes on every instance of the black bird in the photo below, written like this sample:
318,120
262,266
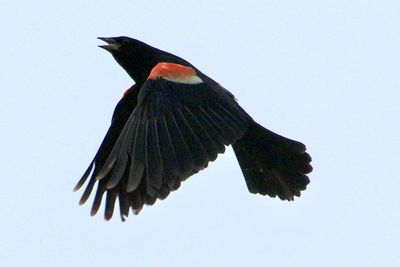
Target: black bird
170,124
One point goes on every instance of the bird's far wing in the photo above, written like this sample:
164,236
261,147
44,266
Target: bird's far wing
122,112
174,131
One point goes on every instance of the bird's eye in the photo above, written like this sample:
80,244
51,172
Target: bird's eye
124,41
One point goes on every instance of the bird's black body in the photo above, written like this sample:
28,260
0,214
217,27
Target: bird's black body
170,124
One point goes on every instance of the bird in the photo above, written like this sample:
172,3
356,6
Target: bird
170,124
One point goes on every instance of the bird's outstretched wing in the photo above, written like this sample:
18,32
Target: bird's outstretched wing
172,133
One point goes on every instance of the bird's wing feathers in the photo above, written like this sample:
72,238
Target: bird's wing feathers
172,133
121,114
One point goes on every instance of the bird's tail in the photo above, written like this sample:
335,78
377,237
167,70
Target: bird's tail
272,164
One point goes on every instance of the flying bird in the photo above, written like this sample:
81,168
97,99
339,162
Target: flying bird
170,124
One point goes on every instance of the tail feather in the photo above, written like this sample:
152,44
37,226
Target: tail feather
272,164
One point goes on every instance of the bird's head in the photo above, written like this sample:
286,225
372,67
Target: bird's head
135,57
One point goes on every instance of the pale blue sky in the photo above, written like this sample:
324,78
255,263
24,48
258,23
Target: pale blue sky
322,72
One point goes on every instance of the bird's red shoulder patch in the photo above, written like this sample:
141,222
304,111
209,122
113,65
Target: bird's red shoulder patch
175,73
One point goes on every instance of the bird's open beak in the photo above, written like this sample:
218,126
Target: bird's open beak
112,44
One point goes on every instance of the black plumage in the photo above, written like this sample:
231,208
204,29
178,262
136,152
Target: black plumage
170,125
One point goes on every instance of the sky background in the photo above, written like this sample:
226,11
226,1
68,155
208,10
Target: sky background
322,72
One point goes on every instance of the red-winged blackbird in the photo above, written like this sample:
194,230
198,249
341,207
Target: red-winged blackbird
170,124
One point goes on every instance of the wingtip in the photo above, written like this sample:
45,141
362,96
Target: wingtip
93,213
77,187
84,177
137,211
108,216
